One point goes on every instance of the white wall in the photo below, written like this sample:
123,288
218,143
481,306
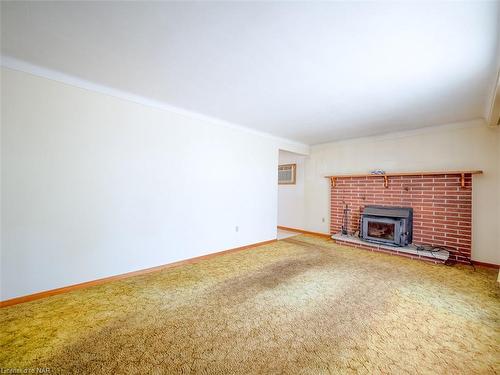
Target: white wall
94,186
291,210
464,146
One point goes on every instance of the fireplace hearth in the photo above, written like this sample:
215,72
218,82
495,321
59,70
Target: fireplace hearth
387,225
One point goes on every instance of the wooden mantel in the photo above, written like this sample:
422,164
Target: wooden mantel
333,178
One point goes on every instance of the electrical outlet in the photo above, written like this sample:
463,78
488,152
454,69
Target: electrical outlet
322,219
237,228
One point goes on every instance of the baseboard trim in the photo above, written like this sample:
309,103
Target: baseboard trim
86,284
488,265
304,231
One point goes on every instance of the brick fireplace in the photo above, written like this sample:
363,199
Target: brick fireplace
441,202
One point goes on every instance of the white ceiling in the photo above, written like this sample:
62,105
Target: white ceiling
307,71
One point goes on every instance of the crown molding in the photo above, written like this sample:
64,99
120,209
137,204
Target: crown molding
36,70
401,134
493,108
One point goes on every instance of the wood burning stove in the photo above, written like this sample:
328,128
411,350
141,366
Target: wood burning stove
387,225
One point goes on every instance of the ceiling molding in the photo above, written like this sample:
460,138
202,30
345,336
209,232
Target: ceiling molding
402,134
493,116
26,67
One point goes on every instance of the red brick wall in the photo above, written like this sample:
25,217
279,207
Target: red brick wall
442,209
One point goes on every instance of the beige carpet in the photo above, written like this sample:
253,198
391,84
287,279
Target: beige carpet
299,306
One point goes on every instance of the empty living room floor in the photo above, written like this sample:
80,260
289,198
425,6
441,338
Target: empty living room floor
302,305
